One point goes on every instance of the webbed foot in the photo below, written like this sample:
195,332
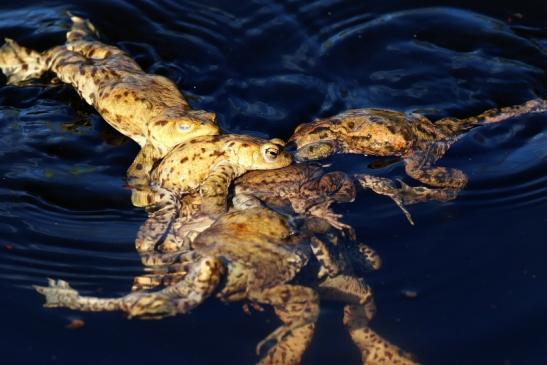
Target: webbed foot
20,64
405,194
371,259
334,219
58,293
297,307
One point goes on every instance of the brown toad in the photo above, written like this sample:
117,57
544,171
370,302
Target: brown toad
303,188
307,189
147,108
297,188
250,250
251,254
209,164
202,169
412,137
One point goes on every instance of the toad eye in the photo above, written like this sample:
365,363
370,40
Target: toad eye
271,153
184,127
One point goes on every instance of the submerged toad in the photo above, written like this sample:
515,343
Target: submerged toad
308,190
147,108
251,254
413,137
302,188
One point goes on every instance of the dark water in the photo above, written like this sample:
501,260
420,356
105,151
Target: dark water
477,264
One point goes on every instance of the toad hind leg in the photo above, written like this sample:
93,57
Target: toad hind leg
297,307
452,127
357,314
82,39
203,278
59,294
22,64
368,256
81,29
179,298
375,350
418,165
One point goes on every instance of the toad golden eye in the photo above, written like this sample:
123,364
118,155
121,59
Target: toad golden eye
271,153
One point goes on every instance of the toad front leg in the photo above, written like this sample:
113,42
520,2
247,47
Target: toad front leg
404,195
214,190
160,218
297,307
138,176
167,269
317,195
323,211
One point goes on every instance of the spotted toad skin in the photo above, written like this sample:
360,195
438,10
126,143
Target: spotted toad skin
413,137
147,108
252,254
304,188
209,164
300,189
192,183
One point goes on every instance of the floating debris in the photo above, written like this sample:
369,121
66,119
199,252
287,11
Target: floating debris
409,293
75,324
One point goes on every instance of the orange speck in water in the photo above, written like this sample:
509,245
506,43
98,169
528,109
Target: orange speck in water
75,324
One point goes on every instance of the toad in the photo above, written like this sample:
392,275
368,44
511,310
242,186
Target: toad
413,137
147,108
251,254
194,178
301,188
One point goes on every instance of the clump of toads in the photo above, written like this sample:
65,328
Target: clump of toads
232,216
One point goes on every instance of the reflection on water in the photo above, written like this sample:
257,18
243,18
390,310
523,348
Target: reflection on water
476,263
